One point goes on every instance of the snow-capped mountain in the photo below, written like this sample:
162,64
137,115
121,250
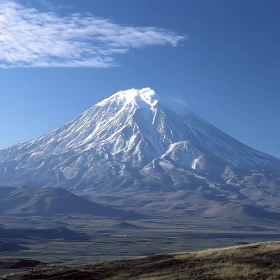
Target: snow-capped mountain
139,140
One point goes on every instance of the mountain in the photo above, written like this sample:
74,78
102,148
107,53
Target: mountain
6,246
125,225
234,209
139,141
52,201
45,233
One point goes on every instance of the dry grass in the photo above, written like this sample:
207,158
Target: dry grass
259,261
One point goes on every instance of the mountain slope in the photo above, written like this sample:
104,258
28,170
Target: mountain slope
138,140
234,209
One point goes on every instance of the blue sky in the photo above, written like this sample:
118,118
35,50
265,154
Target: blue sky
59,57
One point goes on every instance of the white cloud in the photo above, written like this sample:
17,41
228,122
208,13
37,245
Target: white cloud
30,38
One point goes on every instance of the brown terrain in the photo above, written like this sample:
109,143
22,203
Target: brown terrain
256,261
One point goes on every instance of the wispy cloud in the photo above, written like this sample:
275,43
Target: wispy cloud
31,38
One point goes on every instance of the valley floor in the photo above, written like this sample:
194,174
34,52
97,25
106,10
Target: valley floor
95,239
260,261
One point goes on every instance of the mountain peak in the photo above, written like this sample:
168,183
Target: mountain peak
141,97
144,98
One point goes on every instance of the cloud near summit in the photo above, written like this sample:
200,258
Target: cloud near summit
31,38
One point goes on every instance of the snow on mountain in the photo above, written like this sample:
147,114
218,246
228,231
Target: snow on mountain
138,139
